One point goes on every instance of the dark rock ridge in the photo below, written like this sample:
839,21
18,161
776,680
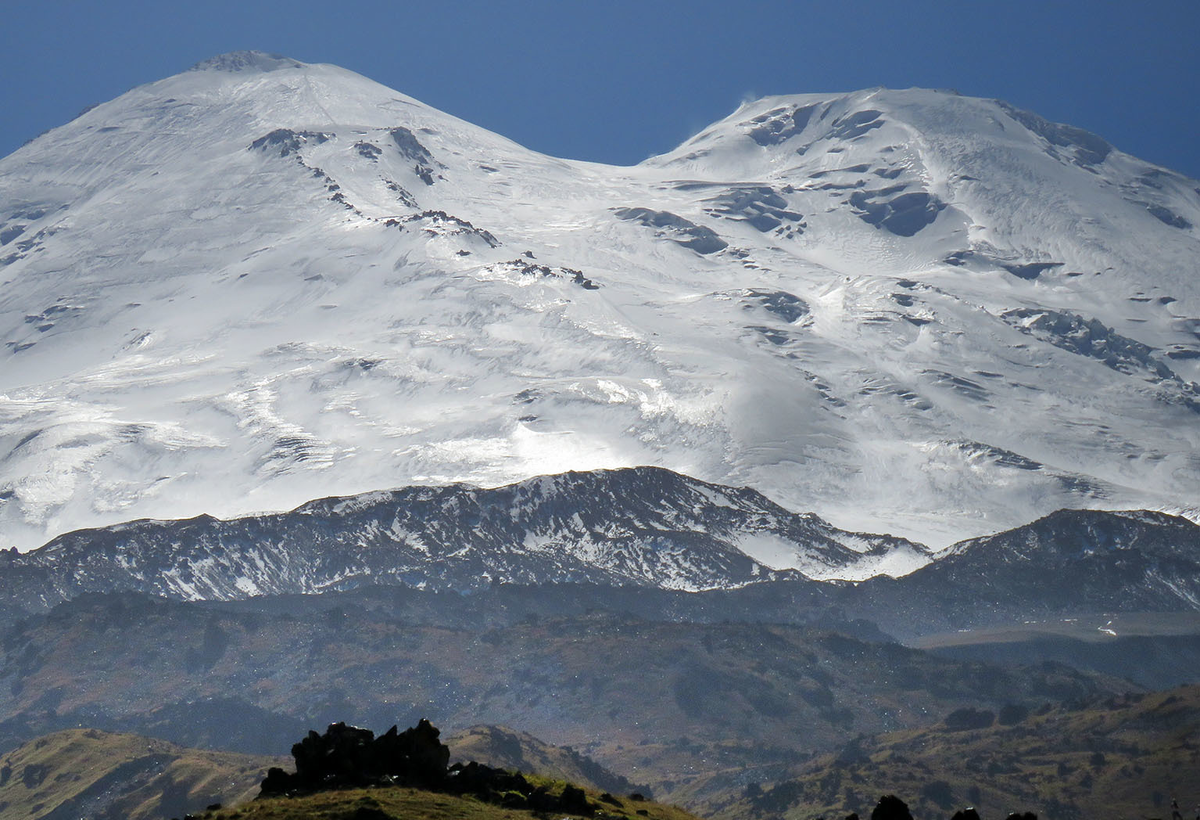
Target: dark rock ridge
761,206
286,141
1084,336
1070,561
1089,337
903,214
681,231
781,124
411,148
236,61
640,526
435,223
787,306
1080,147
524,268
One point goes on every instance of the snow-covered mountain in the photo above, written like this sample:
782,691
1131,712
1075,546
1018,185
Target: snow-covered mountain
260,282
1068,562
584,540
644,527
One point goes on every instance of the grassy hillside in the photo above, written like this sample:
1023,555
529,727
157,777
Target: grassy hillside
413,804
1124,757
88,773
91,773
505,748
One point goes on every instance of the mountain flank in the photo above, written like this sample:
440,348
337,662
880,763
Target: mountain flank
106,776
726,695
504,748
1127,756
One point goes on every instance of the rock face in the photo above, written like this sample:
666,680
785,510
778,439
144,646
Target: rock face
309,289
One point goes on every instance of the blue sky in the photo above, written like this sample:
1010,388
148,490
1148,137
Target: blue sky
618,81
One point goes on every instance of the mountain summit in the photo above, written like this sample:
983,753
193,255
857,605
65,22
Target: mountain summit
263,281
247,61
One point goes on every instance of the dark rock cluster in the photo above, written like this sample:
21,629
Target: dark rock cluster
287,141
891,807
903,214
570,274
350,757
671,226
346,756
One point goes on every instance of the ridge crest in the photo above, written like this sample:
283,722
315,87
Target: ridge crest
235,61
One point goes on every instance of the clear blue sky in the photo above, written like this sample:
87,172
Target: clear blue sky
617,81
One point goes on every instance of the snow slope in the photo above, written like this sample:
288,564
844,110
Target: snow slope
260,282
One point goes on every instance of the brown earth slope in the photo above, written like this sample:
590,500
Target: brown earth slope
102,775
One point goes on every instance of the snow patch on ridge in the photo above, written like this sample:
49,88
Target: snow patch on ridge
240,61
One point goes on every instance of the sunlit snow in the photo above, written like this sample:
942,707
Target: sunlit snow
262,281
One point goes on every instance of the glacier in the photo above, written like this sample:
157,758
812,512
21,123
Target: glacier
261,281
